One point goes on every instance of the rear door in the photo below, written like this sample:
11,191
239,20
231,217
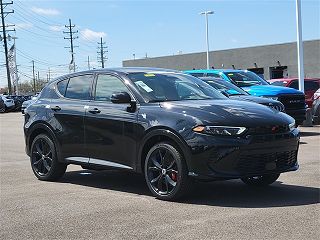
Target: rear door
110,128
69,111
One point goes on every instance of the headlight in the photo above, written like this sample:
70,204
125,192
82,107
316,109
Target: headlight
292,126
271,97
220,130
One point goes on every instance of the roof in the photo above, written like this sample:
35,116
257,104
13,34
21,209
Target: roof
214,70
292,79
125,70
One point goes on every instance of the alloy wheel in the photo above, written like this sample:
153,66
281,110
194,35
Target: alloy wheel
41,158
162,171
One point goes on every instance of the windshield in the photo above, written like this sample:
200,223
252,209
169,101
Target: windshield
245,78
224,86
165,86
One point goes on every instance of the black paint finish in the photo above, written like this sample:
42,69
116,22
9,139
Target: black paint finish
105,134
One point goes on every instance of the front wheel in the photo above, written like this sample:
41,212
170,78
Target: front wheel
44,161
263,180
166,172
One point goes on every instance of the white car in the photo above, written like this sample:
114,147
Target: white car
9,103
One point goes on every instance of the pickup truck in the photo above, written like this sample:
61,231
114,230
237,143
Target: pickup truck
292,99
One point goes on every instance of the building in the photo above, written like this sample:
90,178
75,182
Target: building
271,61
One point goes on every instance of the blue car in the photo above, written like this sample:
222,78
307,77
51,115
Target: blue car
292,99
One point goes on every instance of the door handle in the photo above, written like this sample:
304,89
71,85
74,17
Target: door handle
94,111
56,108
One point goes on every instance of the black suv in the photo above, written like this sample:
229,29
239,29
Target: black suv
170,126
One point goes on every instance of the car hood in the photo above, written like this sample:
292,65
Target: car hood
260,100
269,90
227,113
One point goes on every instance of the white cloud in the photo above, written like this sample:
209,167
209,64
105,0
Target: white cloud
56,28
23,25
88,34
45,11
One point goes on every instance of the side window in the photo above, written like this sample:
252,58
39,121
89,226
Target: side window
216,75
197,74
107,85
311,85
79,87
62,86
294,84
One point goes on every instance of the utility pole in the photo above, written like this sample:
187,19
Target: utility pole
3,15
34,78
71,38
101,54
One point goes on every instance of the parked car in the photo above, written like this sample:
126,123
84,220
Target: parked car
316,107
18,100
236,93
292,99
9,103
2,106
170,126
310,86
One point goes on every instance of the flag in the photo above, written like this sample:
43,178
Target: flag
13,65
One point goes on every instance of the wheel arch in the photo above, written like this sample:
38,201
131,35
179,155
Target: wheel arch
42,128
156,135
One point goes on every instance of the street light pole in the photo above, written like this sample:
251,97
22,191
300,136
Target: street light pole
205,13
299,46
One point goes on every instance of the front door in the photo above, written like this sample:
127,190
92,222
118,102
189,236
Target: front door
110,127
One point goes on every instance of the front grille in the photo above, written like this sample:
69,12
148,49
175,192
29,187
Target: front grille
292,101
259,163
273,129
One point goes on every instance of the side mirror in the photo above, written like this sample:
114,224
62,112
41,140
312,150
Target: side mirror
120,97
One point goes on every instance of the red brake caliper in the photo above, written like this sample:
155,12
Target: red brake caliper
174,176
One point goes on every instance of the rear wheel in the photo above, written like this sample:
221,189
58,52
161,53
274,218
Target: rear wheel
44,160
262,180
166,172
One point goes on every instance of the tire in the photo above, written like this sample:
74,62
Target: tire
44,161
166,172
263,180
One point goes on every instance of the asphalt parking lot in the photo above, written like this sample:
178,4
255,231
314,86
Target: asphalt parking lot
116,205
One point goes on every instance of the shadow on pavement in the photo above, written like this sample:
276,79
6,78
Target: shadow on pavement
309,134
224,193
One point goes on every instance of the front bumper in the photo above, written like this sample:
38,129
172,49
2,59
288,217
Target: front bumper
225,158
299,115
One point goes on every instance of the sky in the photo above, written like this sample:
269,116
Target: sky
152,28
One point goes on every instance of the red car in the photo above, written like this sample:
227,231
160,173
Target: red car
311,85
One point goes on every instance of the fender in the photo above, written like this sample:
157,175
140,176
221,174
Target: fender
166,132
41,125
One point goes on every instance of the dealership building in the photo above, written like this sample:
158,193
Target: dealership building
271,61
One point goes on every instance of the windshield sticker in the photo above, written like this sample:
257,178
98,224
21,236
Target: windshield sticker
149,75
144,86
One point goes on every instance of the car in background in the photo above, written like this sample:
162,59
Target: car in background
311,85
316,107
2,106
292,99
18,100
9,103
235,93
174,128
